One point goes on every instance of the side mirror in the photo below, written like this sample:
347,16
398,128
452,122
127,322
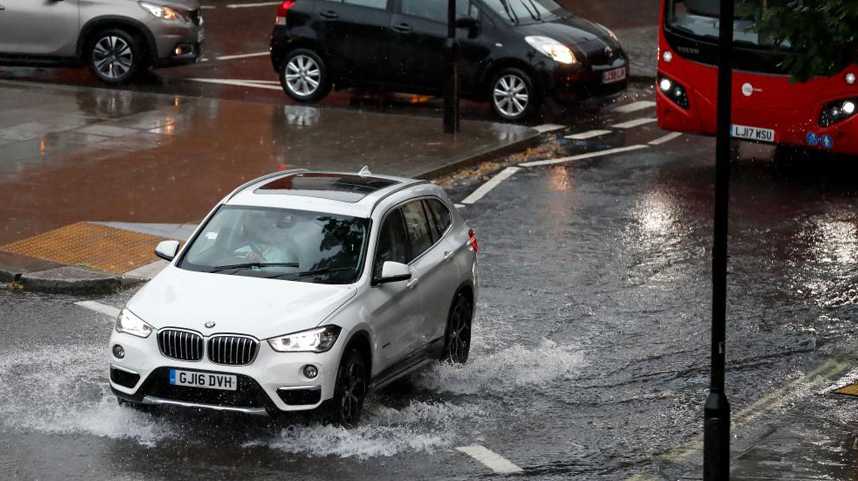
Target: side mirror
470,23
167,250
393,272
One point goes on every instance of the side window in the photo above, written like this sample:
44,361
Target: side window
418,228
377,4
440,216
436,10
392,242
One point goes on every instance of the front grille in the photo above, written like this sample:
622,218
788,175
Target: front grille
182,345
232,350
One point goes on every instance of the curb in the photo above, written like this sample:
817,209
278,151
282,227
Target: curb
482,156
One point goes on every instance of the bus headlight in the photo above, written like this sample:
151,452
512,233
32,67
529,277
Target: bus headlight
837,111
674,91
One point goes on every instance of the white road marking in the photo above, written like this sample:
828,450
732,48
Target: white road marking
99,308
208,7
634,123
545,128
635,106
460,206
252,5
243,55
488,186
666,138
235,83
589,155
588,134
490,459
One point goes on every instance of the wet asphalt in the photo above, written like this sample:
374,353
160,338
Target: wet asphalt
590,357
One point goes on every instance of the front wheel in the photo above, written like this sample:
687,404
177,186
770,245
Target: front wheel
304,76
457,338
350,390
115,56
513,95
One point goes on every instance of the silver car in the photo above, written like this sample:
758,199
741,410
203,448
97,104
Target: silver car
115,38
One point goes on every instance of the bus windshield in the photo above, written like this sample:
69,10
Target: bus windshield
700,18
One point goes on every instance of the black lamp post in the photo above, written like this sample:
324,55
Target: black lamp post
716,437
451,90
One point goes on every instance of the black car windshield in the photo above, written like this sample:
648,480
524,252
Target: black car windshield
700,18
525,11
280,244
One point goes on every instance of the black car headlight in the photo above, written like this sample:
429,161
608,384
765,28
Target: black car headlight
320,339
674,91
837,111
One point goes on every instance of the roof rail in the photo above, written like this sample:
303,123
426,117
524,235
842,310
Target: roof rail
399,188
273,175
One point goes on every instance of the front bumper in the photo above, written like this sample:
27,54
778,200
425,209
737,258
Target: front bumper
580,82
274,382
178,44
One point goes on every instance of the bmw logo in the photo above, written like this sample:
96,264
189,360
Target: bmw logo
210,324
609,51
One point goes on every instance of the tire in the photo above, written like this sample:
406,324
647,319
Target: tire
115,56
352,383
457,336
513,95
304,76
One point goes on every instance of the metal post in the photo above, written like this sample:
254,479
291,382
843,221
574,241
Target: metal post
716,437
451,89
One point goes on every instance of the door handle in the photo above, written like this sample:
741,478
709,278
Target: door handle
402,28
449,255
413,282
329,14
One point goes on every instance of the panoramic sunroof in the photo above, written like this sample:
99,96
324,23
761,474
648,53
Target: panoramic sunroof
339,187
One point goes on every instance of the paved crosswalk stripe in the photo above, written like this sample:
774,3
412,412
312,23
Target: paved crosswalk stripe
236,83
548,128
635,106
488,186
243,55
588,134
666,138
634,123
589,155
490,459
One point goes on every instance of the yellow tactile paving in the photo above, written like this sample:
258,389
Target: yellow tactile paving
90,245
850,390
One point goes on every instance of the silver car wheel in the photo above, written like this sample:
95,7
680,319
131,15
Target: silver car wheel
112,57
511,95
303,75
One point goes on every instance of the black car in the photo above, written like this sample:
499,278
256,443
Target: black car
514,53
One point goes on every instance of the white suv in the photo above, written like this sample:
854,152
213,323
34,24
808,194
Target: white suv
301,290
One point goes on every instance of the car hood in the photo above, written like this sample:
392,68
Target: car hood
572,30
262,308
188,5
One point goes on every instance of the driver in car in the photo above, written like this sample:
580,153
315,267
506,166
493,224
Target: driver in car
266,239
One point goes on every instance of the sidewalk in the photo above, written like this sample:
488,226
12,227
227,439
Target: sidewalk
72,157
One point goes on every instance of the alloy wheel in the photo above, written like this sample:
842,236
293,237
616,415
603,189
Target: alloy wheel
511,96
353,391
112,57
303,75
459,339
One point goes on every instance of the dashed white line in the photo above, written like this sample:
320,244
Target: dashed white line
634,123
635,106
99,308
252,5
236,83
545,128
589,155
243,55
490,459
208,7
588,134
491,184
666,138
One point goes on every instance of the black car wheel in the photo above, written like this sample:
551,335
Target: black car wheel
304,76
115,56
350,390
513,95
457,338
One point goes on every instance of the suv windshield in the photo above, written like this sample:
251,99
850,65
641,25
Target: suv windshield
280,243
699,18
524,11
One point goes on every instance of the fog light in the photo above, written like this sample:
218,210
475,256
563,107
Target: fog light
118,351
665,85
183,50
848,107
850,78
674,91
310,371
837,111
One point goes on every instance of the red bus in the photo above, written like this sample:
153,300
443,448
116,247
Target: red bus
768,106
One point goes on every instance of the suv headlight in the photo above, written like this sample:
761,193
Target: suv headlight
552,48
128,323
164,12
321,339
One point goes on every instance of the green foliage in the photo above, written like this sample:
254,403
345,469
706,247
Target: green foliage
822,34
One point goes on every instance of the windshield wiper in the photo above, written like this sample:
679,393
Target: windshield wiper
254,265
324,270
509,12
